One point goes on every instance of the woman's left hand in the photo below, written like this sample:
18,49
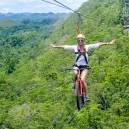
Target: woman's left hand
113,41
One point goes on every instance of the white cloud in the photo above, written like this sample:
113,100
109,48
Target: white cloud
37,6
27,1
6,10
69,1
1,3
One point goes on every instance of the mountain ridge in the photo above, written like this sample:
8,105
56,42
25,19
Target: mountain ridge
30,15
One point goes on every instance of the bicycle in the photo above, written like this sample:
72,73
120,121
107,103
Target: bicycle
79,91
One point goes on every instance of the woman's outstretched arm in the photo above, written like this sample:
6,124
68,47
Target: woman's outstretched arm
54,46
107,43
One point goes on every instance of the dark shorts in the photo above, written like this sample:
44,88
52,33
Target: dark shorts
82,67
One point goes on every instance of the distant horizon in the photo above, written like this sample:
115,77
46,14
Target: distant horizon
35,13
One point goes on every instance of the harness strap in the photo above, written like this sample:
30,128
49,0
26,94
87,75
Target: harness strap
78,47
85,59
77,58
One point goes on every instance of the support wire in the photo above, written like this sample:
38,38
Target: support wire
63,6
54,4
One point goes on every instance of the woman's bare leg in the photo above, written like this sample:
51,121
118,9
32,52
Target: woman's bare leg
83,78
75,74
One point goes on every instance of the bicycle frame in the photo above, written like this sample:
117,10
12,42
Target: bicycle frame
79,81
80,97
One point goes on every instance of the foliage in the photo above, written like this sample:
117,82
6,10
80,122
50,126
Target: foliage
36,91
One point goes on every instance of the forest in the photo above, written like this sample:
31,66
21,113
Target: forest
36,91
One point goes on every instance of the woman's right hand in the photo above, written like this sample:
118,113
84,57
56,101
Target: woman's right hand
52,45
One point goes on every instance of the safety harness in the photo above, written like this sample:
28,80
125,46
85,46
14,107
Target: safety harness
81,53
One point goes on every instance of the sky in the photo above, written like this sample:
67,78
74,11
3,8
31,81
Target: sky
37,6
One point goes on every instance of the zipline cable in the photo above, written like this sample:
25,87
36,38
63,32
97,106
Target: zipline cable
71,9
53,4
63,6
71,113
79,24
79,14
72,116
56,119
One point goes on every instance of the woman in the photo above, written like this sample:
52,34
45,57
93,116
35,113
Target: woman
81,51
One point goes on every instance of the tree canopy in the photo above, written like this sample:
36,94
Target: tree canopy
36,91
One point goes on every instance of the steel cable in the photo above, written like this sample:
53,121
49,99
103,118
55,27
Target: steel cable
63,6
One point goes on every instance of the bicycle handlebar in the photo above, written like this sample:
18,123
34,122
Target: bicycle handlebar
76,69
69,69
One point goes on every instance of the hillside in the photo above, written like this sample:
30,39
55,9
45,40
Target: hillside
18,38
38,93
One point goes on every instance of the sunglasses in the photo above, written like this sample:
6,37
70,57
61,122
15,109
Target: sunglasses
80,40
